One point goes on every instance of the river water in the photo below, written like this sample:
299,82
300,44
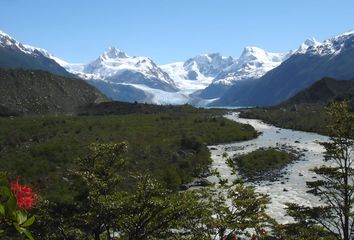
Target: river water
291,186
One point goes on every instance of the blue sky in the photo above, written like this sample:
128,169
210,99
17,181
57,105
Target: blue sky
171,30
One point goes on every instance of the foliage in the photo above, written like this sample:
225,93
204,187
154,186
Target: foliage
153,212
57,221
239,211
310,118
335,187
149,210
254,164
99,172
43,148
304,227
15,202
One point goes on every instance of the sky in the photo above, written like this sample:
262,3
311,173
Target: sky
78,31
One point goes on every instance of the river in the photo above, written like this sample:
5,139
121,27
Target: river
291,187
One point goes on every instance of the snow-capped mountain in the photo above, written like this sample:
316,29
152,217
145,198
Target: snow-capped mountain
127,78
252,64
14,54
198,72
256,77
332,46
312,61
115,66
310,42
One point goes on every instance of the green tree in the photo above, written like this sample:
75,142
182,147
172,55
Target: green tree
304,228
335,187
153,212
99,172
239,210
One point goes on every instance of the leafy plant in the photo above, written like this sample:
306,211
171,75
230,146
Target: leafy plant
15,203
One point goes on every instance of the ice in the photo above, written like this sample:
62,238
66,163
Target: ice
162,97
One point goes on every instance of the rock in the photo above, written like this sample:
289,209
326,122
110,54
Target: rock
204,174
204,182
197,182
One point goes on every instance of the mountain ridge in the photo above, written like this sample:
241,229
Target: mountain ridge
324,91
14,54
332,58
33,92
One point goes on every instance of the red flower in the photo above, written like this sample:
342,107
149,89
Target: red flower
25,196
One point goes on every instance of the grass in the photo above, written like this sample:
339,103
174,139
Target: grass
261,161
172,147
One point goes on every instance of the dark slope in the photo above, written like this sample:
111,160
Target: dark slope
306,110
14,58
38,92
324,91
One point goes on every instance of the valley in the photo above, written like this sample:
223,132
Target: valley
258,146
167,142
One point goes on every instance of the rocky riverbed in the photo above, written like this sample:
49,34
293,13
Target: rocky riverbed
290,184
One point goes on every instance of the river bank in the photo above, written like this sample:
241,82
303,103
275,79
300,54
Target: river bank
291,185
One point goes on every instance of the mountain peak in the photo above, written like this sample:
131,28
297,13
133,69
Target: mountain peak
253,52
308,43
113,53
7,40
252,49
4,34
311,42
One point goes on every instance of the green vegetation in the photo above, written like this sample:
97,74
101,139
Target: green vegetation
309,118
258,162
172,147
115,199
148,210
239,210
